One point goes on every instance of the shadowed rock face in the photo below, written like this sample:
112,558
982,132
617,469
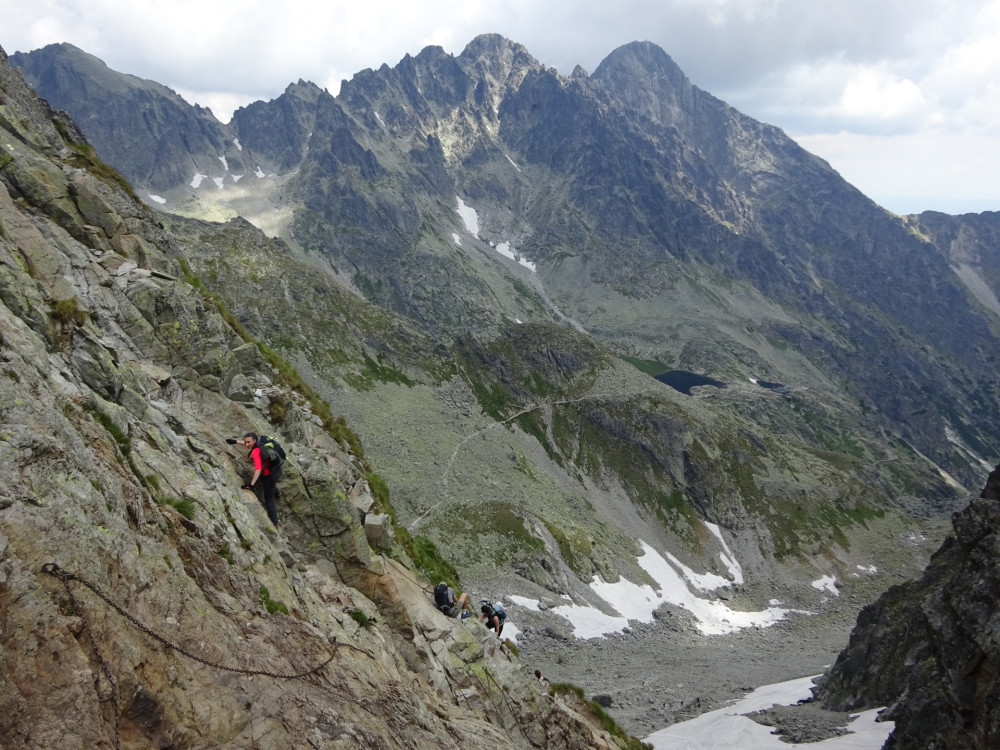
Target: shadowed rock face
118,385
147,131
930,649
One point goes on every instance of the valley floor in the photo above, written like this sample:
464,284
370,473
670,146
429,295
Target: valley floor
667,672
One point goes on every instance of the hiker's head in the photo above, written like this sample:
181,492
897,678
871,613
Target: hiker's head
250,439
485,609
538,673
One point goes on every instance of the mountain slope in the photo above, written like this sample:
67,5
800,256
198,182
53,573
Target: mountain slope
145,599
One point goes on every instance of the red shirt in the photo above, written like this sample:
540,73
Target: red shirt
255,455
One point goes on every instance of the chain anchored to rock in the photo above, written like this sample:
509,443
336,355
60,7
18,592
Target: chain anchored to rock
65,576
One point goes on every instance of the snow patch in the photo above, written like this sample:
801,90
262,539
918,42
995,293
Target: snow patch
218,181
729,726
510,632
457,239
379,120
225,164
727,557
511,161
259,172
236,142
507,251
196,180
634,602
237,177
826,583
157,198
469,217
523,601
869,569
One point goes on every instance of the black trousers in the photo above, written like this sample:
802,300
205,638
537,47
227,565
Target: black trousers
270,482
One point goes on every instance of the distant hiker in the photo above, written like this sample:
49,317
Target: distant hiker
446,602
538,676
267,456
494,615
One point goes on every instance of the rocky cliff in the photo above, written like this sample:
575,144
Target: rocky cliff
928,649
145,600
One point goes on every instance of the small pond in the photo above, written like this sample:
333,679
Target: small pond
684,381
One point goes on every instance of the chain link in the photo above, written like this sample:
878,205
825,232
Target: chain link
65,576
97,651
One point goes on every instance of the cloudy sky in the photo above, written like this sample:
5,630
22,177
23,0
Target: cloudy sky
902,97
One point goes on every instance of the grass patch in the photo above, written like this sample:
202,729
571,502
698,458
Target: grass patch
270,604
226,553
68,312
361,618
608,724
122,440
183,506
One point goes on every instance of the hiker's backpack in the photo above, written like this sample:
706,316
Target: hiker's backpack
496,609
441,597
271,451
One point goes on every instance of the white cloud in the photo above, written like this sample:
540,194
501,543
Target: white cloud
876,93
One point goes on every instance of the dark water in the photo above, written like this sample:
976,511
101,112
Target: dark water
684,381
776,387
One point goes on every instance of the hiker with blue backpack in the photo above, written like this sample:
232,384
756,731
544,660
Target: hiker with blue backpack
494,615
267,456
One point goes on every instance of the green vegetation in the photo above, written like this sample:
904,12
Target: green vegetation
649,366
68,312
608,724
574,549
183,506
271,605
121,439
361,618
377,372
226,553
85,157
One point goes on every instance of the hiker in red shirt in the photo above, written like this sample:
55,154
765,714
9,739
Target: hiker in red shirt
265,473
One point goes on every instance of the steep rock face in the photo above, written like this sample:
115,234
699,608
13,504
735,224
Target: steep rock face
146,130
929,649
279,130
145,600
970,242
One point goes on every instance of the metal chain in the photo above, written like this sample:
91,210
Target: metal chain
65,576
97,651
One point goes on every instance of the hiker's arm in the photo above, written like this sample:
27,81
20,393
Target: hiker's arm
258,467
496,625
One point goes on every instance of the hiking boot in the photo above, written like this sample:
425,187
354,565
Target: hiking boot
466,614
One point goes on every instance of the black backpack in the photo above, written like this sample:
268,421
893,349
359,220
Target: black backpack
441,597
271,451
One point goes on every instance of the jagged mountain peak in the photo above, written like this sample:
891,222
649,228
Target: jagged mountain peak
642,76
